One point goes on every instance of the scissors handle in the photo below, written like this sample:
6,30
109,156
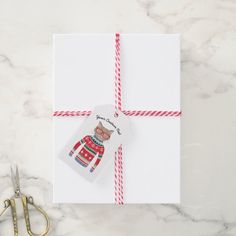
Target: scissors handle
11,203
14,216
25,202
6,205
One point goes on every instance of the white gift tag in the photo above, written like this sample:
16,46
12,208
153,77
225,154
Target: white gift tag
94,144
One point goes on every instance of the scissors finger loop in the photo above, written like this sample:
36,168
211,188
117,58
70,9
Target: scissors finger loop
6,205
25,202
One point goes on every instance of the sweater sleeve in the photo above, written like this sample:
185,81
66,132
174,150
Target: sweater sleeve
78,144
99,157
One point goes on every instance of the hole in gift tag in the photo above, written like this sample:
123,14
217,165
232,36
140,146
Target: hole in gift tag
116,114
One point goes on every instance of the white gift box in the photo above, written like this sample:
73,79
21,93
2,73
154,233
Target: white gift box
150,78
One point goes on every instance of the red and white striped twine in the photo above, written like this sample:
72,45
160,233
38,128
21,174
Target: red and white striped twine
118,181
117,74
128,113
118,164
72,113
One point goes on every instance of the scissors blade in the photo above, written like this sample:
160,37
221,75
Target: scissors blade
15,179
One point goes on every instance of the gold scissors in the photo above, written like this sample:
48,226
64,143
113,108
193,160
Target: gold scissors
25,201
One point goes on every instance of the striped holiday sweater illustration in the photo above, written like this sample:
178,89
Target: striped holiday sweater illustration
92,147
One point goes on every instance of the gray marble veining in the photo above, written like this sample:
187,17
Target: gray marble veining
208,36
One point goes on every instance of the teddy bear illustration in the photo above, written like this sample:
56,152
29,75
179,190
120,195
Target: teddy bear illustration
92,146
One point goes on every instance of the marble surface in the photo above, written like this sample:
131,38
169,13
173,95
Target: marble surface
208,29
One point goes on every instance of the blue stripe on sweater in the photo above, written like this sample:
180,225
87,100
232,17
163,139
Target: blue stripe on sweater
81,163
